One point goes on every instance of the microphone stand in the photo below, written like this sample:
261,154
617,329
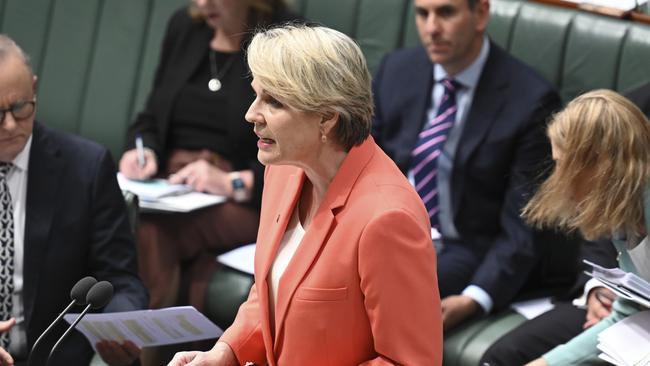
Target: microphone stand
29,359
70,328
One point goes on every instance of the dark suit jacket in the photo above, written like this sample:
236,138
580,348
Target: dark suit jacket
502,150
76,225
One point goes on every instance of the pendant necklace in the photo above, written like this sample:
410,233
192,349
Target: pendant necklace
215,75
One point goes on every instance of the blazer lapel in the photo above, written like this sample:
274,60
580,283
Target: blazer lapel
43,177
318,230
268,243
488,101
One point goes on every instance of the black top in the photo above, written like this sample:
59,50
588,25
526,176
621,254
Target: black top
184,55
199,116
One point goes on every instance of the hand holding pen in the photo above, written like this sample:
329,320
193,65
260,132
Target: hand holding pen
139,163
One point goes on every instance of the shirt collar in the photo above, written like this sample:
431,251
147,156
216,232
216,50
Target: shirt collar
21,161
468,77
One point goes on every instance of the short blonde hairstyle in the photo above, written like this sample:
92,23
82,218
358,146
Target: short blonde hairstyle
316,69
604,139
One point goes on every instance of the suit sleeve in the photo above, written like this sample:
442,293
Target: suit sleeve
113,252
516,250
244,336
397,268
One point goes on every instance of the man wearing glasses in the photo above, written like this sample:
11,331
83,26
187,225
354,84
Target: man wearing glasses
62,217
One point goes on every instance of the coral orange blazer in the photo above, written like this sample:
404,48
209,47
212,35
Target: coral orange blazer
362,286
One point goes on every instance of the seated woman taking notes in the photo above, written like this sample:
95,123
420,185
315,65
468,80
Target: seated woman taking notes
345,268
601,146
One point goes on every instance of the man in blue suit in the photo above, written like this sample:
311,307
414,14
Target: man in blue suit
63,218
465,121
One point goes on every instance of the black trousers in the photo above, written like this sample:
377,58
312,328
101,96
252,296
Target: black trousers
537,336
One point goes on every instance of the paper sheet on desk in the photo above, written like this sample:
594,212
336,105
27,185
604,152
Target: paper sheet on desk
242,258
183,203
147,328
151,189
533,308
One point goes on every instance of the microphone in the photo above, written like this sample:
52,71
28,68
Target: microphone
98,296
78,295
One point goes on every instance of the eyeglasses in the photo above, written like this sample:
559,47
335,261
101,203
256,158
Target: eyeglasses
19,110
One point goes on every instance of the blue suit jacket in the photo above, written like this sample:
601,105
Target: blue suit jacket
501,152
76,225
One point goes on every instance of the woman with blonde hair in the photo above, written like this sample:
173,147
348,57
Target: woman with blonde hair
345,270
600,187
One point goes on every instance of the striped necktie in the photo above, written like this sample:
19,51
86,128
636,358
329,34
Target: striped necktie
6,250
424,162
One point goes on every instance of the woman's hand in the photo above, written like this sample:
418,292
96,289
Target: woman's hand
5,357
538,362
130,166
599,305
219,355
204,177
116,354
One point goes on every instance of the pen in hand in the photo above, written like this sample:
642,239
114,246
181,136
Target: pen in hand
139,146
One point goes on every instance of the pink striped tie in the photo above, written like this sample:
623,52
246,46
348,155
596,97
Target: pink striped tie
424,163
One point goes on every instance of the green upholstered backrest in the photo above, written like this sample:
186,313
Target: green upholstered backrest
94,59
592,55
539,37
634,59
503,15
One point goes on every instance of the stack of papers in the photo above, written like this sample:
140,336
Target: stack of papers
624,284
159,195
147,328
152,189
627,343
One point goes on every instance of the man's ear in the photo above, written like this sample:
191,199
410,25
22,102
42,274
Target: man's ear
34,83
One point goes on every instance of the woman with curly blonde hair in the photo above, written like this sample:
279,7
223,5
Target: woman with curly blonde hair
601,146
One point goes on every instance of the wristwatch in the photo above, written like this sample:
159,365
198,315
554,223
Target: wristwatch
239,192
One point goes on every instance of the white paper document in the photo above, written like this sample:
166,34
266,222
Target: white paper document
533,308
627,343
624,284
159,195
242,258
147,328
184,203
615,4
152,189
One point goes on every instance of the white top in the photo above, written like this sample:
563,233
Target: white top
17,182
288,246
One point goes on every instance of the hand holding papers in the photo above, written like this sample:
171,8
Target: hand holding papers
146,328
625,284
